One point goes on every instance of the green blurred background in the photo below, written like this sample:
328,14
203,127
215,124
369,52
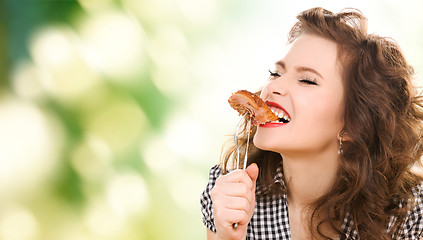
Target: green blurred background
112,111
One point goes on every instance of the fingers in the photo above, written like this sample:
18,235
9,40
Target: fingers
236,189
252,172
233,198
232,216
236,176
237,203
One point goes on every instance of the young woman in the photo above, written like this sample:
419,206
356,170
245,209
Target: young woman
342,168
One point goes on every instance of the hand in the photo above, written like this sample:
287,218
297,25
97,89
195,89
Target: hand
233,198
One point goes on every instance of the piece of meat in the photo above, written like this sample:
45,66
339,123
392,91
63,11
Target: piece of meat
245,101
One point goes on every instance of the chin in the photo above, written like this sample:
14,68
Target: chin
263,143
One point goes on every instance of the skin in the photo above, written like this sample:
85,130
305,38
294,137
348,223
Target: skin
233,202
307,83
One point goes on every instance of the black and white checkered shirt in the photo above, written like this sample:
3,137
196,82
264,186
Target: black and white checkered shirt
270,219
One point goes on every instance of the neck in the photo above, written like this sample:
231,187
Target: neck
309,177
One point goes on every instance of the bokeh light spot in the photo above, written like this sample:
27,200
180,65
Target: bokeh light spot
127,194
59,54
29,144
158,156
92,159
27,80
186,137
116,44
102,221
118,123
185,187
199,11
18,223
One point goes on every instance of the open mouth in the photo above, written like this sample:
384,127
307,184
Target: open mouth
280,112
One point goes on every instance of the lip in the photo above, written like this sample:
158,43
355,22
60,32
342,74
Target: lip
273,104
272,125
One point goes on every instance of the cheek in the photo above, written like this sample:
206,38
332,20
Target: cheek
329,114
336,109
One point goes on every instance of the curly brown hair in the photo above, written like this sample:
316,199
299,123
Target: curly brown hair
384,122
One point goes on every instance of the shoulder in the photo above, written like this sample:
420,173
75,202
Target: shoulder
206,201
215,172
413,226
418,192
416,202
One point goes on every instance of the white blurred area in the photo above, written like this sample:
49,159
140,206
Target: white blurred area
18,223
114,45
30,141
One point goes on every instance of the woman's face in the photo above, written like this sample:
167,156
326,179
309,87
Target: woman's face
307,88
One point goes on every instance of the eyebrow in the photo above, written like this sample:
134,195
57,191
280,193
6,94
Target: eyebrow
300,69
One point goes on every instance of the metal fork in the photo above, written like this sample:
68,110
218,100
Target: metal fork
235,225
248,141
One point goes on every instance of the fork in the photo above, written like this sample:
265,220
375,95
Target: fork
235,225
248,141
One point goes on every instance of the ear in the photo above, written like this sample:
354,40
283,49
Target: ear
345,136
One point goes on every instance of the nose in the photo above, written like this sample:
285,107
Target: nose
276,87
276,93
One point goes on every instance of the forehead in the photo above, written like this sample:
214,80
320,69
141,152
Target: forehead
315,52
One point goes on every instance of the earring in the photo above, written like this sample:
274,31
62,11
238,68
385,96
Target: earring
340,151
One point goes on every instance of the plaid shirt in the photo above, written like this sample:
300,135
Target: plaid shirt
270,219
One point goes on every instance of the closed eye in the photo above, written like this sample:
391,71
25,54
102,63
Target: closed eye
308,81
274,74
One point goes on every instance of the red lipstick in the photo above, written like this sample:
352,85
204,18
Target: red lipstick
273,104
275,124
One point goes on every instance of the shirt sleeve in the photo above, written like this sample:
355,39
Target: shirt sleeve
206,201
413,227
